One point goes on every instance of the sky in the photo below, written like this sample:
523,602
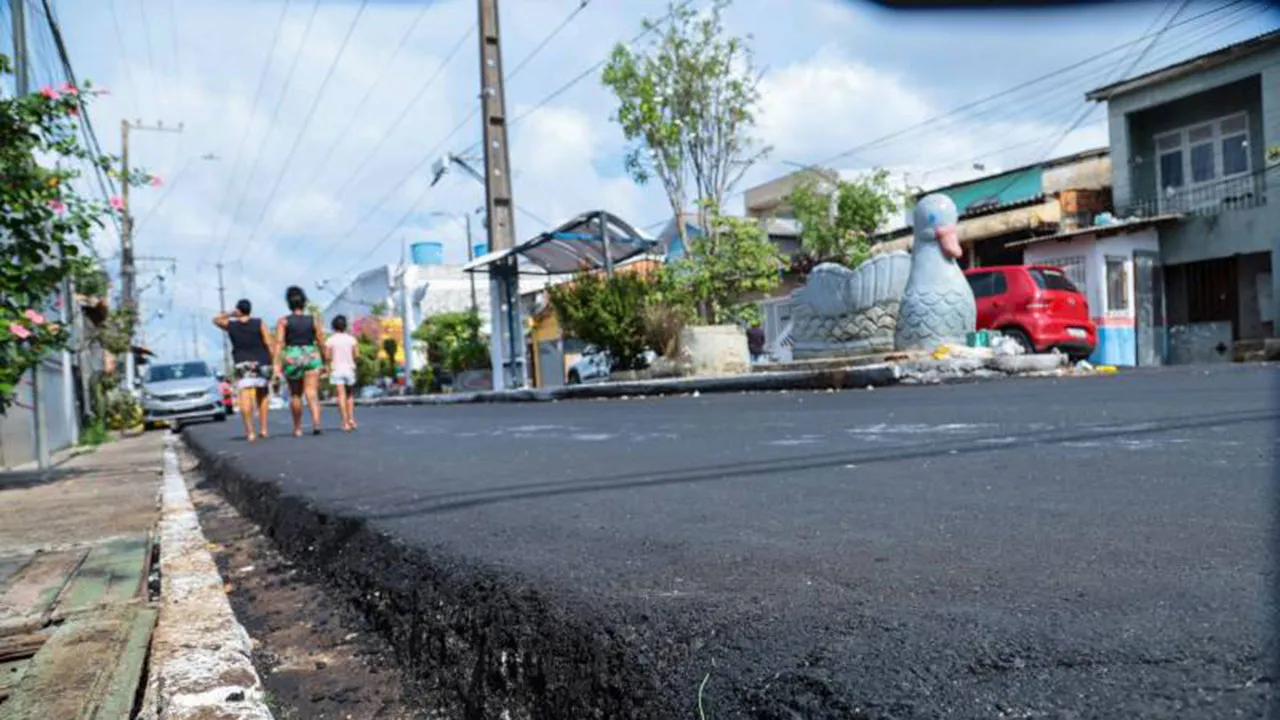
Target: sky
309,127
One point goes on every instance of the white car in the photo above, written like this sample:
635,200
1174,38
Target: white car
596,365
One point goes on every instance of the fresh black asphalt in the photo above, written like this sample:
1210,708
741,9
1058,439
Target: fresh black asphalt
1069,548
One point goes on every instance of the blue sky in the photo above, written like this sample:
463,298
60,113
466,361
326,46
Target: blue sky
283,203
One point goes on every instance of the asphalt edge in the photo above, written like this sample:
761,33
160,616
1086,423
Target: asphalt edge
201,663
474,640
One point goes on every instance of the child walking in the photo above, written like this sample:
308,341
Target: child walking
343,350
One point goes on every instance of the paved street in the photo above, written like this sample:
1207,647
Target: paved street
1011,549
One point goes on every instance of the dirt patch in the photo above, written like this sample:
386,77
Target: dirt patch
316,657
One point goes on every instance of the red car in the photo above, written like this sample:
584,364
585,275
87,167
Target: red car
1036,305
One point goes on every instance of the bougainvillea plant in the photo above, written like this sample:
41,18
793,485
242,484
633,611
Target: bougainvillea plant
45,225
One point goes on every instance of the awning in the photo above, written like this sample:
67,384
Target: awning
578,244
1103,230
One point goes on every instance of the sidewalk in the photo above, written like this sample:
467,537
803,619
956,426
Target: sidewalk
75,550
80,584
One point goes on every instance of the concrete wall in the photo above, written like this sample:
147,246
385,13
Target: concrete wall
1120,109
1252,270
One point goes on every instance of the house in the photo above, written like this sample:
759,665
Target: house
998,212
1190,154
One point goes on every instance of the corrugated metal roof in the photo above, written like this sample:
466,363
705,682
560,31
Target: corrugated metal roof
1101,230
1187,67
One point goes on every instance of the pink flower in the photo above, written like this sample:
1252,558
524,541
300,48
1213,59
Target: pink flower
69,89
117,202
18,331
156,181
49,92
58,206
35,317
57,303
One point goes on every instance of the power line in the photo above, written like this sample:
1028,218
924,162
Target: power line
275,113
546,40
124,57
1009,91
476,109
253,111
306,123
168,190
359,106
146,35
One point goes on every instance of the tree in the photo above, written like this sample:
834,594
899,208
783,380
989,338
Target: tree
454,341
687,104
378,309
721,278
837,225
607,312
368,367
45,225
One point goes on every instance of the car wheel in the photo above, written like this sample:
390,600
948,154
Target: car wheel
1021,338
221,418
574,378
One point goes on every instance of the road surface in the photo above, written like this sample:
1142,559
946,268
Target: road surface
1082,547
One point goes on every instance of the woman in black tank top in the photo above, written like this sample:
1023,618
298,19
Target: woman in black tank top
300,356
251,346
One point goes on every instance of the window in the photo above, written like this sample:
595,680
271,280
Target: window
1202,154
1051,279
988,284
161,373
1117,284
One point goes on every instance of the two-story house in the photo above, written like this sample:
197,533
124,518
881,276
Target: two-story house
1194,144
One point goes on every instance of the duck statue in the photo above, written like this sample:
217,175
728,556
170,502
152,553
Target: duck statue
937,304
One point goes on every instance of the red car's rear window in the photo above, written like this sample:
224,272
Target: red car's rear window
1050,279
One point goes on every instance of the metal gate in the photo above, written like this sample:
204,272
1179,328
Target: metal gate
1149,322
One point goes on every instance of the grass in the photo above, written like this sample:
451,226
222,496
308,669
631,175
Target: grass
95,434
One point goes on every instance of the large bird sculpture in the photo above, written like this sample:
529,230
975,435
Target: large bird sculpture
937,305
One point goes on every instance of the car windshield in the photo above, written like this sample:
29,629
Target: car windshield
1050,279
178,371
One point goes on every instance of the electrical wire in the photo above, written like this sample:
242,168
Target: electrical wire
146,35
244,136
124,58
306,123
275,113
359,106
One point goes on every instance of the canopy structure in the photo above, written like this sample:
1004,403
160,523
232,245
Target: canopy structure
590,241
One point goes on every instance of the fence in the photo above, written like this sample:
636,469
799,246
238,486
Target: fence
1236,193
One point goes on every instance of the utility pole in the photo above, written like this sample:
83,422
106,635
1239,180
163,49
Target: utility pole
507,336
128,271
222,307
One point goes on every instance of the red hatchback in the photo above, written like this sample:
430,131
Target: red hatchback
1036,305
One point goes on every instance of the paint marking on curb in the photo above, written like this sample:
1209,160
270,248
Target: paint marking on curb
201,662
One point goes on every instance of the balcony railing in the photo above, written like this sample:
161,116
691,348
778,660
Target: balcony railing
1235,193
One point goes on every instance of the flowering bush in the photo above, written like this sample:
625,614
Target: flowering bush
44,223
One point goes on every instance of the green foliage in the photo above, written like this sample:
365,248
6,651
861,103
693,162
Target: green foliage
95,433
88,276
114,335
424,379
606,312
368,368
44,223
687,104
1273,154
836,226
123,411
454,341
722,271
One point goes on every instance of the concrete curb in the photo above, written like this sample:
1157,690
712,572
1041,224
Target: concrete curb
822,379
200,663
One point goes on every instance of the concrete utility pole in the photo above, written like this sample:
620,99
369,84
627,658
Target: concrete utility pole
222,306
128,270
507,336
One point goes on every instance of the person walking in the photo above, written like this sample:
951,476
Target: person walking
300,357
343,351
251,353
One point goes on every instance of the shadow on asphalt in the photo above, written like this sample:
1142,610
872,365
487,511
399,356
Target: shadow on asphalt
452,501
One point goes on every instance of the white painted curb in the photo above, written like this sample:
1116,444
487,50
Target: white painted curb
200,663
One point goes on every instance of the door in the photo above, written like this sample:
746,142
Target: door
1148,316
990,295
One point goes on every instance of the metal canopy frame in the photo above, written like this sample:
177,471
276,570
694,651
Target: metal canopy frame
590,241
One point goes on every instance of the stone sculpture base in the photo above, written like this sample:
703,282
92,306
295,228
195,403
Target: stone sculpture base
861,333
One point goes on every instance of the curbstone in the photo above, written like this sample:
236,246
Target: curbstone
201,656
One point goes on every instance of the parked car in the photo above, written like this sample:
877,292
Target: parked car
1036,305
225,388
178,393
596,365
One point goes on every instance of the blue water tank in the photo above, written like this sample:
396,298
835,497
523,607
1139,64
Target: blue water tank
479,249
427,253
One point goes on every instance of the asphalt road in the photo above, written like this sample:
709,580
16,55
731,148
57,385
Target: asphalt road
1085,547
